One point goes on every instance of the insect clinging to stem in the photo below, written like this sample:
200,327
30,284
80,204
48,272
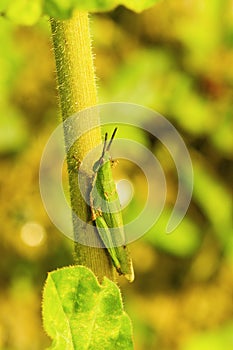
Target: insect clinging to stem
106,212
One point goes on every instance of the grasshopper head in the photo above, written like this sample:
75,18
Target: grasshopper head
105,157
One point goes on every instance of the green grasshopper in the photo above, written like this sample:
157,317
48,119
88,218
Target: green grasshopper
106,212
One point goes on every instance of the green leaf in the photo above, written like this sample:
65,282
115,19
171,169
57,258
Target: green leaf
218,339
152,78
64,8
28,12
4,4
13,131
215,201
138,5
24,11
184,241
79,313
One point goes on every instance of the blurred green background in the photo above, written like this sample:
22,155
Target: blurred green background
176,58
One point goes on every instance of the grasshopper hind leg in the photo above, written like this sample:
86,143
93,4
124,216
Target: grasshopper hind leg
119,255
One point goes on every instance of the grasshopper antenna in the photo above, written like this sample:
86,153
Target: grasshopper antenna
105,144
112,137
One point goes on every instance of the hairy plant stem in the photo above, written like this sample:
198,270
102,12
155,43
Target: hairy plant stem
77,91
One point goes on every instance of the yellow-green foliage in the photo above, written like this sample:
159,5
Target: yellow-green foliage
177,59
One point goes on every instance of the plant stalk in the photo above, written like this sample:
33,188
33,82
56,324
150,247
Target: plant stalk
77,91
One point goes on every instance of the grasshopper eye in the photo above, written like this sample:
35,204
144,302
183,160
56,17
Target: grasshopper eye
96,166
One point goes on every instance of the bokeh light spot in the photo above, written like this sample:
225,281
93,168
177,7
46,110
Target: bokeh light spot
125,191
32,234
